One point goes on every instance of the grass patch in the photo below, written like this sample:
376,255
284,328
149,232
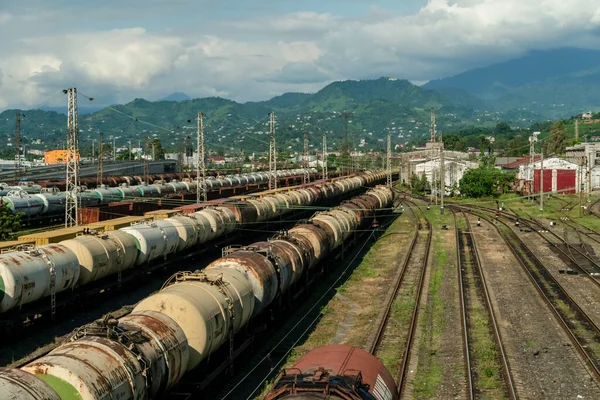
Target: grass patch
429,371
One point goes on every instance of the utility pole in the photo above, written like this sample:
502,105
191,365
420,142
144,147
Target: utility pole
580,185
72,175
100,176
532,140
346,148
18,171
325,172
389,161
188,152
145,157
93,150
180,155
272,153
114,149
306,173
129,141
442,179
576,129
201,194
432,126
542,181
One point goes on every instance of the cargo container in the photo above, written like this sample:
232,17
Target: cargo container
115,223
161,214
10,244
55,236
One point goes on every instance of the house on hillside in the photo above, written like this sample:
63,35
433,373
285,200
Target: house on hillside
218,160
587,115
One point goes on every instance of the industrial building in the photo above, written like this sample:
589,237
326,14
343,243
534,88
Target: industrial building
578,171
57,156
453,171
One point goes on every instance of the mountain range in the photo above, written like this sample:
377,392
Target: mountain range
536,87
553,83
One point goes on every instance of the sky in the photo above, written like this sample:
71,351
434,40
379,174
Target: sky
252,50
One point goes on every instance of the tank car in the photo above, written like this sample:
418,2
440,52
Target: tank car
26,277
335,372
19,201
16,384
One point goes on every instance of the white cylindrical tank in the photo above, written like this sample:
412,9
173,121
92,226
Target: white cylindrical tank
148,190
187,230
177,186
54,203
204,228
25,276
92,368
21,202
104,254
228,218
89,198
264,211
334,225
200,306
128,192
167,349
16,384
215,220
108,194
258,271
153,240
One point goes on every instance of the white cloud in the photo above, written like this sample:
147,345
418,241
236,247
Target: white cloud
5,17
116,56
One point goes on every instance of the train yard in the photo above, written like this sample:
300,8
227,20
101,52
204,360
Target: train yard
475,302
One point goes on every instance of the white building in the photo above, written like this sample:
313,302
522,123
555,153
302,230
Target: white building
453,171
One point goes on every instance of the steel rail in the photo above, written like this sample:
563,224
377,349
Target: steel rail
510,383
463,311
415,313
589,359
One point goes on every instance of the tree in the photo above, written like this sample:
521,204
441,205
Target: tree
454,142
484,181
9,222
126,156
155,149
502,128
107,151
516,147
557,141
483,144
418,184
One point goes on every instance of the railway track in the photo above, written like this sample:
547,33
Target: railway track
579,327
479,323
576,258
408,286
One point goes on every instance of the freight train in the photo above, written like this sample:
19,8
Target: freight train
34,201
41,272
144,354
335,372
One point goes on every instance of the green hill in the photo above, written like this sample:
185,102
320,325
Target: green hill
379,107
